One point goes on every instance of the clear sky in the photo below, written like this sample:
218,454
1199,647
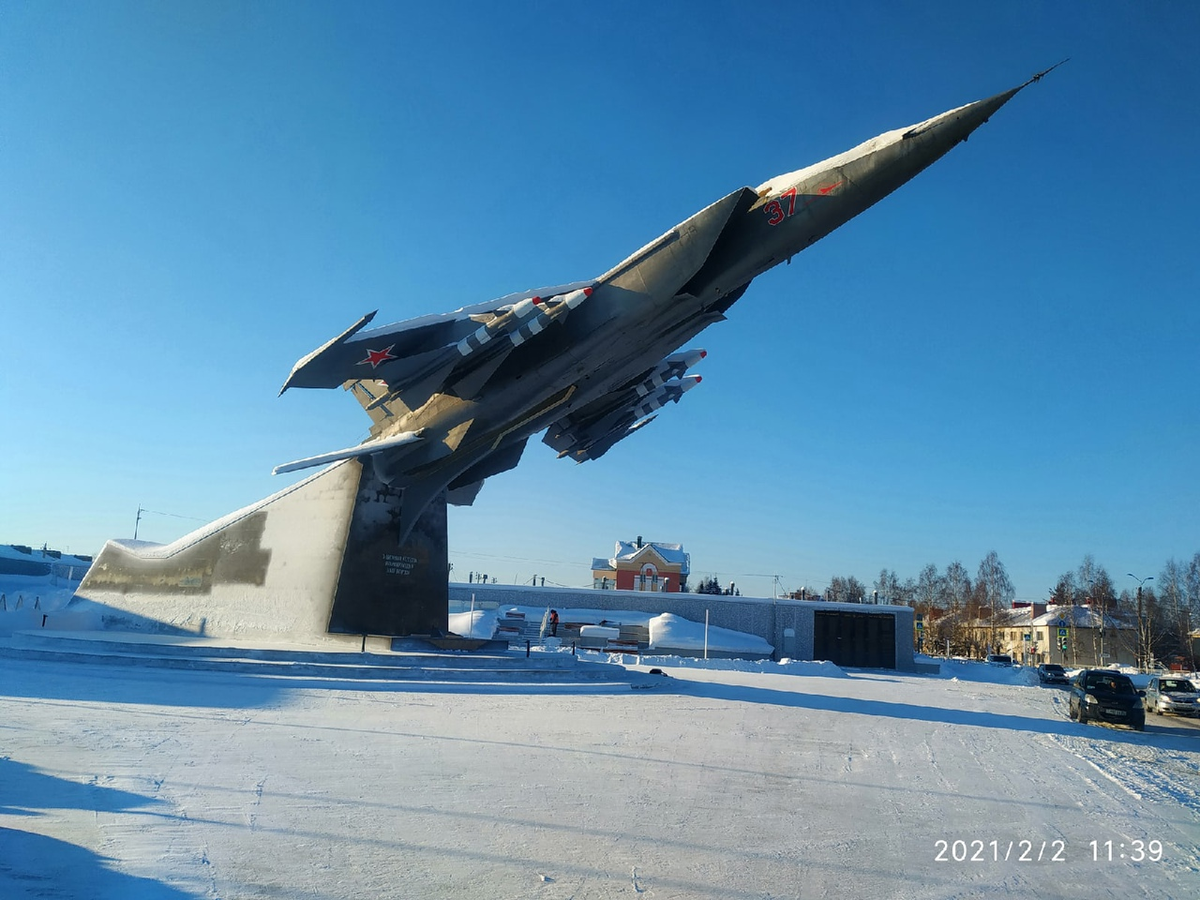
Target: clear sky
1003,355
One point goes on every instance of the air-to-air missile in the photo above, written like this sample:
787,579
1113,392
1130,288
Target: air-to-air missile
584,438
455,397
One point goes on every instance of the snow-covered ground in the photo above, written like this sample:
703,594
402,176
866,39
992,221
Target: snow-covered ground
731,780
26,596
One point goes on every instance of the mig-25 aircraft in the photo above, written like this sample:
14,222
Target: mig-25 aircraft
455,397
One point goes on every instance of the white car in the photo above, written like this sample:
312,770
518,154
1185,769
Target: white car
1000,659
1169,694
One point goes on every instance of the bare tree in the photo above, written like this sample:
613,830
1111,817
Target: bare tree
952,604
856,589
928,588
845,590
957,585
1191,581
836,591
887,587
954,591
1147,641
1087,573
1094,587
995,589
1176,609
1065,593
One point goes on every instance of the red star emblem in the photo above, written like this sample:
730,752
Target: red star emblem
375,357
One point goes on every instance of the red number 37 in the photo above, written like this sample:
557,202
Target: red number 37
775,209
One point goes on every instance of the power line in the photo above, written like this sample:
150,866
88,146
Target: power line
172,515
550,562
142,509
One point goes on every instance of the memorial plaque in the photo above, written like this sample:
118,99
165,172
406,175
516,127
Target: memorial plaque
385,587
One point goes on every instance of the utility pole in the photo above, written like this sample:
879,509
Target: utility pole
1139,652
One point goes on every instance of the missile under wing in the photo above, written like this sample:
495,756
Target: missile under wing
454,398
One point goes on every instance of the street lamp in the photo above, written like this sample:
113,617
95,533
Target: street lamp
1092,604
1140,582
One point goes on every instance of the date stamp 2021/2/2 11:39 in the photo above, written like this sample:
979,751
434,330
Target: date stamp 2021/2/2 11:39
1051,851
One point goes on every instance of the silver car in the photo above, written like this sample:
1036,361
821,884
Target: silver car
1169,694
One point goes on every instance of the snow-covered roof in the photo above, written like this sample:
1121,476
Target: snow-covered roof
23,552
1071,616
1078,617
669,553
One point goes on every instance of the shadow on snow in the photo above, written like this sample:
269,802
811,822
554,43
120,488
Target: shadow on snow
36,866
900,710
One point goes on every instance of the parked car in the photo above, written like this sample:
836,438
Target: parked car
1000,659
1052,673
1105,695
1169,694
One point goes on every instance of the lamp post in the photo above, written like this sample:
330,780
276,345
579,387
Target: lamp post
1140,582
1092,619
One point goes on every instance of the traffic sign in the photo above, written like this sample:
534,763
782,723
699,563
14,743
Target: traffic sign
1062,632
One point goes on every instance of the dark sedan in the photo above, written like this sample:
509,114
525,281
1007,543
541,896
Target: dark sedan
1104,695
1052,673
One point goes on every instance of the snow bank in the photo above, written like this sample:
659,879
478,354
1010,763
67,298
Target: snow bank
676,633
977,670
47,578
575,615
668,632
26,599
811,668
479,623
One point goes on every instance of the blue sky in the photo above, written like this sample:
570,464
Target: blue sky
1003,355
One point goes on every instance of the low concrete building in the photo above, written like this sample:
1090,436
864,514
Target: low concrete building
849,634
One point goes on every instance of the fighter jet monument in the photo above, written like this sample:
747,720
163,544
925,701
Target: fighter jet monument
455,397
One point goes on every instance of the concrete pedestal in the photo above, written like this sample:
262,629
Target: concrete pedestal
317,559
385,587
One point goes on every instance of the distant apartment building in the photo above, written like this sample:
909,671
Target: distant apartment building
642,566
1070,635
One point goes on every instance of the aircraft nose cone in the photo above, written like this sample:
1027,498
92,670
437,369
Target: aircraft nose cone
956,125
892,159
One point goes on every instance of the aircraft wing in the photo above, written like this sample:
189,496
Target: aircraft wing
368,448
410,361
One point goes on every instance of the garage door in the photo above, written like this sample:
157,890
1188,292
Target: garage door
862,640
